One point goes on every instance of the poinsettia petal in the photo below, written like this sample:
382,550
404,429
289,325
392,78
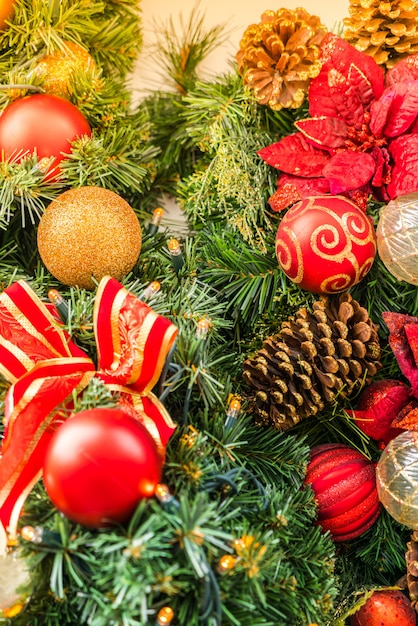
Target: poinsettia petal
320,101
400,106
344,95
332,95
361,86
349,170
294,155
290,189
325,132
399,344
411,331
381,160
285,195
407,419
339,54
379,112
403,71
404,176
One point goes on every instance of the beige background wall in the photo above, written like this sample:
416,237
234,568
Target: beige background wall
236,14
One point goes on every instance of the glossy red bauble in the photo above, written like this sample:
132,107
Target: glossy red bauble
99,465
388,607
325,244
43,124
344,484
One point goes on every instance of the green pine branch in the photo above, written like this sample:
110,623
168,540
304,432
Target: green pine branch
111,31
180,47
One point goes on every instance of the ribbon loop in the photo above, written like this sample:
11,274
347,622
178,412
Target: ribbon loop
46,368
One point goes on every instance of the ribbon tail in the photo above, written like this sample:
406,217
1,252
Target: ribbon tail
31,417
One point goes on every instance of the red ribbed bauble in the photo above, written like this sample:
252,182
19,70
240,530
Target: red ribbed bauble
344,484
41,123
325,244
388,607
100,463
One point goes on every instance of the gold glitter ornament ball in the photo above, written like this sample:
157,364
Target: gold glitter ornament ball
61,67
87,233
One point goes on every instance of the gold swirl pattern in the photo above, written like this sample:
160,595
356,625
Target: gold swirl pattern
325,244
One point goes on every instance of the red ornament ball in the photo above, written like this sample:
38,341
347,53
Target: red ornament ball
389,607
344,484
43,124
100,463
325,244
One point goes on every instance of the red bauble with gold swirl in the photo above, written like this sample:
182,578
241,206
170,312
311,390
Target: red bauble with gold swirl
325,244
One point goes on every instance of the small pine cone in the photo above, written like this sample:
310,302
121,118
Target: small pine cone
386,31
279,56
411,558
315,356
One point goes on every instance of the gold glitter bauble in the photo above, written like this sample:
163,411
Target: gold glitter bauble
59,68
89,232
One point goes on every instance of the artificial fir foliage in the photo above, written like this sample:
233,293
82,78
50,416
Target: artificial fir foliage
230,536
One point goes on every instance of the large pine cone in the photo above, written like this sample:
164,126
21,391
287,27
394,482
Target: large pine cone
386,31
315,356
279,57
411,558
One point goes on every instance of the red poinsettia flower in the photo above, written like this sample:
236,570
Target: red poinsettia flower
362,136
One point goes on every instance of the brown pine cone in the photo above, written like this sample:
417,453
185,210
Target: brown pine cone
387,31
411,558
279,57
313,358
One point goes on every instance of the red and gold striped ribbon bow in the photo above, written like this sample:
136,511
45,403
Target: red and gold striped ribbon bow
46,367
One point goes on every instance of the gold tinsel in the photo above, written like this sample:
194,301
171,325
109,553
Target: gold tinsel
387,31
279,56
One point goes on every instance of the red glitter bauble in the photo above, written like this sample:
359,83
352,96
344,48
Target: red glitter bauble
344,484
325,244
387,606
99,465
43,124
378,406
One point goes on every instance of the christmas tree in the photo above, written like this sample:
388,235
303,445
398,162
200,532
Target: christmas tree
194,426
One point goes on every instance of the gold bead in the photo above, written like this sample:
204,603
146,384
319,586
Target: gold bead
226,563
165,616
